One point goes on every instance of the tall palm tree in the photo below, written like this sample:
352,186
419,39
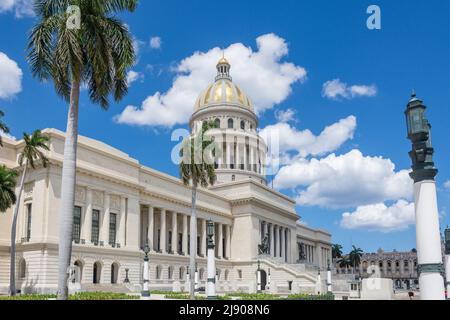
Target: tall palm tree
3,127
8,180
32,152
197,168
97,54
336,251
355,257
344,262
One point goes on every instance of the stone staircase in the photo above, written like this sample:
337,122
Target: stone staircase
113,288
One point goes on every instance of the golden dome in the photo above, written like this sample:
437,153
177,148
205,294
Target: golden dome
223,92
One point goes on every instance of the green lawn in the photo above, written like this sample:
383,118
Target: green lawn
77,296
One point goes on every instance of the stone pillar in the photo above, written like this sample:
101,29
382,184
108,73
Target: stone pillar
203,238
265,230
174,233
151,228
163,231
283,244
122,226
272,235
105,221
228,241
276,250
87,226
220,240
185,235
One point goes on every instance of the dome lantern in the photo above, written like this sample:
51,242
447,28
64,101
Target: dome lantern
223,69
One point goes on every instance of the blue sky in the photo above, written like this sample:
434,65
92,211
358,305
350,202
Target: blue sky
330,41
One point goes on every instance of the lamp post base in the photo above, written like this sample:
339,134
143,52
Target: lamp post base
145,293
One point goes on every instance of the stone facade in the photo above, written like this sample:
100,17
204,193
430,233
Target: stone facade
122,205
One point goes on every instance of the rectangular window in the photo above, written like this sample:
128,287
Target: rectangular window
95,226
76,230
170,241
112,229
180,243
29,209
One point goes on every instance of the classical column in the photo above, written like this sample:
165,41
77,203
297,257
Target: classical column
265,231
122,227
87,226
277,241
282,244
272,235
174,233
288,245
220,240
185,235
163,231
203,238
105,221
228,241
151,228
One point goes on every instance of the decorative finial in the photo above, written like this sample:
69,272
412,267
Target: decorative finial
413,94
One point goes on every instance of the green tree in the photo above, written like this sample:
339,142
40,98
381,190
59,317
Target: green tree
344,262
3,127
96,53
336,251
32,152
197,168
355,257
8,180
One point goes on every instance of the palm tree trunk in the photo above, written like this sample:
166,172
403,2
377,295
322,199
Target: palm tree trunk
68,193
12,264
193,241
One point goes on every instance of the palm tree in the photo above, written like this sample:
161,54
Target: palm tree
197,168
97,54
8,180
344,262
32,152
336,251
355,257
3,127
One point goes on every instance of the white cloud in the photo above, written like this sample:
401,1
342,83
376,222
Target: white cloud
155,42
335,89
379,217
285,115
305,142
344,181
10,77
21,8
447,184
262,74
133,76
7,135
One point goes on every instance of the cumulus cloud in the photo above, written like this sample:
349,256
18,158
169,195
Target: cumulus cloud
155,42
262,74
336,89
344,181
133,76
10,77
447,185
285,115
7,135
21,8
379,217
305,143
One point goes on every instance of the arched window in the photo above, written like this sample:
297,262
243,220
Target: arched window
79,264
170,273
230,123
181,273
97,272
158,272
217,123
233,178
201,273
242,124
114,273
22,269
218,274
227,272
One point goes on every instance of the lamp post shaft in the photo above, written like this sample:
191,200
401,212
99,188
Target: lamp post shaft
211,286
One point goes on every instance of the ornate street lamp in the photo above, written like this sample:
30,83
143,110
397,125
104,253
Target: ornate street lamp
211,285
329,277
126,280
258,277
319,282
145,289
429,255
447,260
